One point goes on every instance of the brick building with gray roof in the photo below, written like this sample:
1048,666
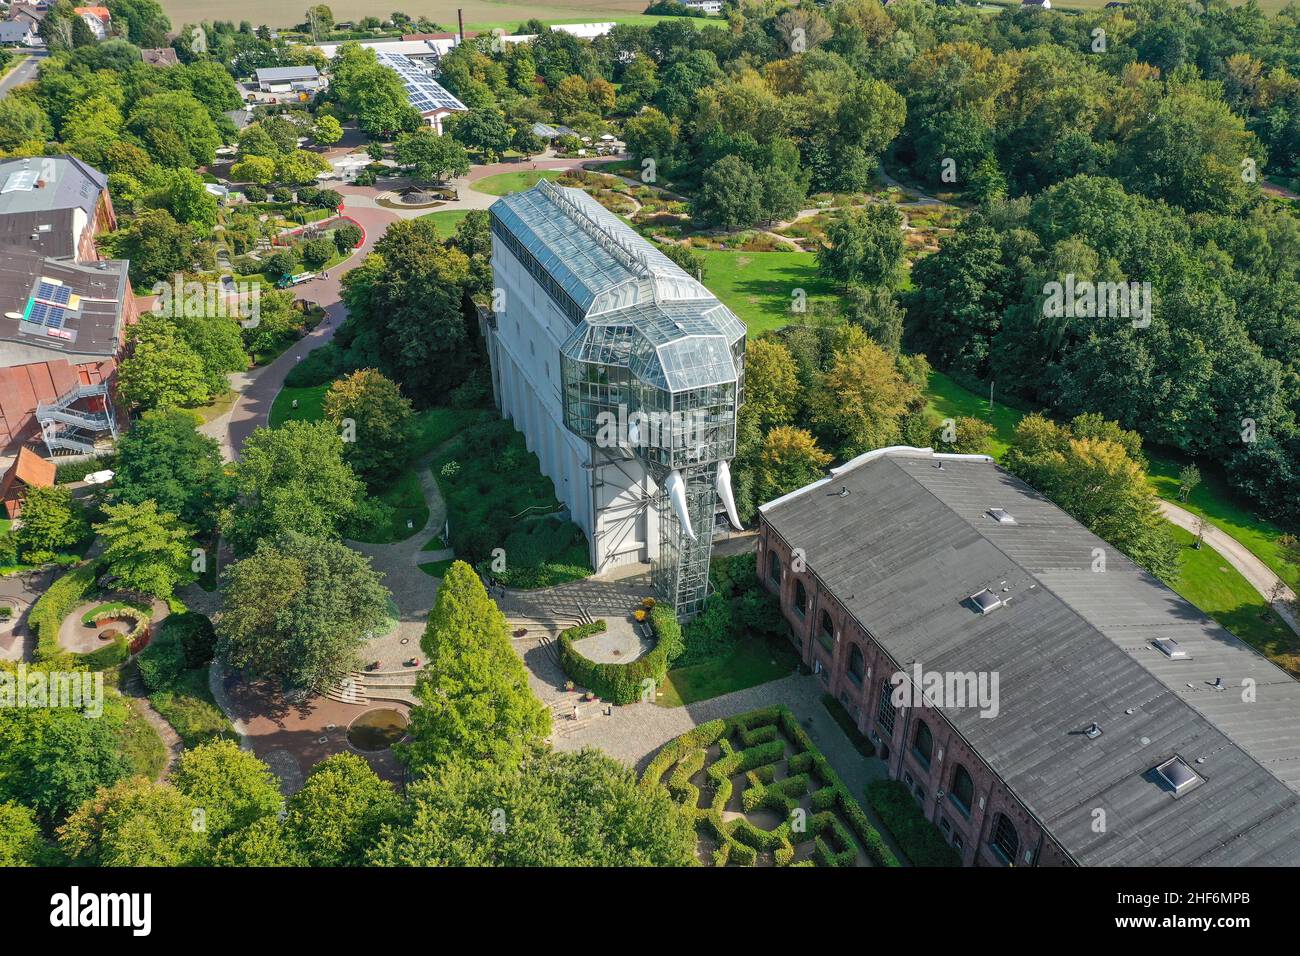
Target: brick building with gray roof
1130,729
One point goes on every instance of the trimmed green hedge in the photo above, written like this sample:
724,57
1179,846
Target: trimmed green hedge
919,838
53,606
807,771
622,683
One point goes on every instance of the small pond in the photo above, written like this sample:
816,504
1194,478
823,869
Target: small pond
377,729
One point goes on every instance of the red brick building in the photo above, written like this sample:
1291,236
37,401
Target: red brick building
1120,736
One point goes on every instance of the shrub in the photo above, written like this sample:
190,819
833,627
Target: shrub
254,193
317,252
53,606
919,838
195,635
347,237
320,366
161,664
621,683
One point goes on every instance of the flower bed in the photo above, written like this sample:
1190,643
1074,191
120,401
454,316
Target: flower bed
138,637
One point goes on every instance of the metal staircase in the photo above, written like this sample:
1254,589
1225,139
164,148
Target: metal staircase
77,430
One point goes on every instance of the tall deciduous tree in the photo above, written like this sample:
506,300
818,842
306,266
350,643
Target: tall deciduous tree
582,809
148,550
165,459
298,610
292,478
339,811
474,699
376,422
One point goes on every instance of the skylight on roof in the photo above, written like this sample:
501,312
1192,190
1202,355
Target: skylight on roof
1178,774
1170,647
1001,516
986,601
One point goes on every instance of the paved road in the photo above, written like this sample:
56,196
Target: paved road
24,72
258,387
1259,574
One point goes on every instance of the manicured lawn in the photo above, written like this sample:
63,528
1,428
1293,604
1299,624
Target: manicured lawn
447,220
406,499
754,661
759,286
1212,498
1215,501
434,544
310,405
437,569
1214,586
950,400
503,184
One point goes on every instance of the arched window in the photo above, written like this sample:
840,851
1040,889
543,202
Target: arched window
963,790
923,743
800,599
857,665
773,567
828,626
1006,841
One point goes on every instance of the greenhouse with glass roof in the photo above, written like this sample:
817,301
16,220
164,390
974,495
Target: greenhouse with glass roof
625,375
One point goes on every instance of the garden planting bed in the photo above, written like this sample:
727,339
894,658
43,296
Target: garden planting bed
764,795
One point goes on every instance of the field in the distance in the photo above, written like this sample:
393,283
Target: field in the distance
483,14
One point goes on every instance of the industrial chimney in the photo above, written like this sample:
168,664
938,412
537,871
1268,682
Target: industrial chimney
460,19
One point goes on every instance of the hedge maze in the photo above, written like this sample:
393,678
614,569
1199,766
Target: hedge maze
765,796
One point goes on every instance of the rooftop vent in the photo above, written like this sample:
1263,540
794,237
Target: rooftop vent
1001,516
1092,731
1170,647
986,601
1176,772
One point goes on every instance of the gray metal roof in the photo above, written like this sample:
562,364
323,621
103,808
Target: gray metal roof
48,183
908,545
274,74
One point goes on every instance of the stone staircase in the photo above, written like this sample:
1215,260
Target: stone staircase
364,687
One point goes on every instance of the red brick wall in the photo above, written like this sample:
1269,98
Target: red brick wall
991,795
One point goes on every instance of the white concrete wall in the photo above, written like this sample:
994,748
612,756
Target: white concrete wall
607,502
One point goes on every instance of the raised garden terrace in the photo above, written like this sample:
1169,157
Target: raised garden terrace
764,795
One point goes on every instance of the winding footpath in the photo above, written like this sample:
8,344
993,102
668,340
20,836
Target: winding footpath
1255,571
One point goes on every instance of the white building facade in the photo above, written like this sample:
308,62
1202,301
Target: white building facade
624,374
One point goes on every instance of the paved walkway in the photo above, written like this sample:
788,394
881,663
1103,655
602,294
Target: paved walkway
135,693
256,388
413,591
1259,574
19,592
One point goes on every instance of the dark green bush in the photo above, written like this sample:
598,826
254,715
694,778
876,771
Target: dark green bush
919,838
621,683
161,664
195,635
